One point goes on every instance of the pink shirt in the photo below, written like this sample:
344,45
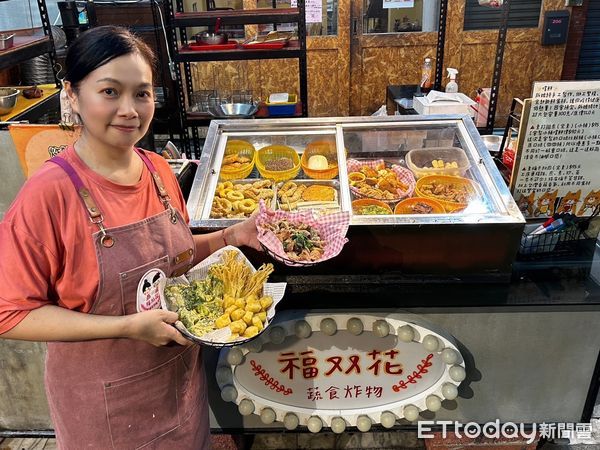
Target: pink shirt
47,253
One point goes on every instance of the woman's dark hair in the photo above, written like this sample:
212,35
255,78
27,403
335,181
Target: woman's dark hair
100,45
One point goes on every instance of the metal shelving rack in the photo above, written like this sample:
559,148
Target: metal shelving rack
177,22
34,46
30,46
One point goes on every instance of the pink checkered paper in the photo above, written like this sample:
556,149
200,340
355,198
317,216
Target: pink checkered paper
331,227
404,175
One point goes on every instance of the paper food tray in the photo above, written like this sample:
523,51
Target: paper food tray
404,175
220,338
332,228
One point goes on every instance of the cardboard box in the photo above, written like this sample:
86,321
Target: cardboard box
423,106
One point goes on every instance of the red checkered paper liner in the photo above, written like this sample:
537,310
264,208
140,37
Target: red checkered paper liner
404,175
331,227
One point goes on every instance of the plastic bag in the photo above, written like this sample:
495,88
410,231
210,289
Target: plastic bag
380,112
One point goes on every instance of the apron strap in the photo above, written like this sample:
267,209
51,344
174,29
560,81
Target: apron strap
160,187
84,194
162,191
88,201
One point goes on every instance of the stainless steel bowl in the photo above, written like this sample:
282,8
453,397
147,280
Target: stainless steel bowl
207,38
6,41
8,99
492,142
233,110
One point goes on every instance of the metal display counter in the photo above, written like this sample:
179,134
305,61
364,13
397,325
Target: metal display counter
472,240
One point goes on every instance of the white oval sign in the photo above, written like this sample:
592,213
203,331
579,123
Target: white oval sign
333,366
320,373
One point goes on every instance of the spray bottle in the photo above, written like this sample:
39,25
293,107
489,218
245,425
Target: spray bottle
452,86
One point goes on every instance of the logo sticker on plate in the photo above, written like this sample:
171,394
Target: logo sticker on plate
148,291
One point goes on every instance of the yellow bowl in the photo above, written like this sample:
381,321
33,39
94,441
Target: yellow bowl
241,148
472,188
361,203
326,149
271,152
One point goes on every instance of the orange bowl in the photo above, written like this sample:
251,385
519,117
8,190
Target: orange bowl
406,206
323,148
358,205
472,189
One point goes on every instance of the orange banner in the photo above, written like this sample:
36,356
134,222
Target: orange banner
37,143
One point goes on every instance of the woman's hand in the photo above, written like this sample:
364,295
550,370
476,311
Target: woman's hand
154,327
244,233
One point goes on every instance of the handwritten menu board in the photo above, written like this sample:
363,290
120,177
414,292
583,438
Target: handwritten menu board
558,167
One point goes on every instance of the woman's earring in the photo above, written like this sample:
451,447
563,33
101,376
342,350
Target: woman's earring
68,118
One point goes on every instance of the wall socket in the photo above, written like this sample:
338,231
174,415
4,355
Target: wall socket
573,2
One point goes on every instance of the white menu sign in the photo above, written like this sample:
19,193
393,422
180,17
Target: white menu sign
559,163
390,4
313,10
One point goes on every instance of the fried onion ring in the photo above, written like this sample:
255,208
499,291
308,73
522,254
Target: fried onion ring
234,196
223,204
247,205
287,186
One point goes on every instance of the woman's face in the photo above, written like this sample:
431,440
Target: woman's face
116,102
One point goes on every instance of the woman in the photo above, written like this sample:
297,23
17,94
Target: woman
77,242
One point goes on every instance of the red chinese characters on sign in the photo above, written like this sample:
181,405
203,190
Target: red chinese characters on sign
308,361
336,365
388,367
346,392
305,363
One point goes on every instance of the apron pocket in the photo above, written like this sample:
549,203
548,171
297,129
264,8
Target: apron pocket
133,298
142,407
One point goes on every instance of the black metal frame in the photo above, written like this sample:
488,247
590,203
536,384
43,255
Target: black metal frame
441,42
159,42
184,80
489,128
46,25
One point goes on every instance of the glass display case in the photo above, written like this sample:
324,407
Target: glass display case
423,192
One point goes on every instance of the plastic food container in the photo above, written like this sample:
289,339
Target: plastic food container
419,161
271,152
283,109
361,203
473,190
241,148
326,149
406,206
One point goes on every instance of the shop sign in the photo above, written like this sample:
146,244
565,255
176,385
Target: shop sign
342,366
558,164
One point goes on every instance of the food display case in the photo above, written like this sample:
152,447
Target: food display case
424,195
